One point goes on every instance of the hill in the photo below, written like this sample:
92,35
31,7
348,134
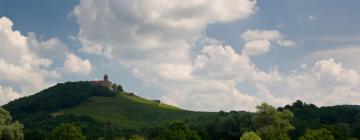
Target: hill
92,105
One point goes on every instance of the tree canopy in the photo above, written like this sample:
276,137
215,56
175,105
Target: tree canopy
67,132
272,124
177,130
9,130
250,136
317,134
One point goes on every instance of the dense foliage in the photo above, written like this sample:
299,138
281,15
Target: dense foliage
229,126
343,121
9,130
318,134
177,130
272,124
299,120
90,127
67,132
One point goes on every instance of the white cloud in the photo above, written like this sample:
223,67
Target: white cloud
20,65
137,30
286,43
209,95
75,65
345,54
217,61
332,73
52,48
154,39
259,41
7,94
26,63
271,35
256,47
327,83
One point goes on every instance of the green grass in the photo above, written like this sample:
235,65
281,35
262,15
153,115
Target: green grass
132,112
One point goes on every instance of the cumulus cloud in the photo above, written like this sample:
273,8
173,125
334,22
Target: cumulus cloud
271,35
344,54
154,39
256,47
139,30
331,72
52,48
20,65
260,36
217,61
7,94
75,65
26,63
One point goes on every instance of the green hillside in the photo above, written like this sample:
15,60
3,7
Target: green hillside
130,111
98,110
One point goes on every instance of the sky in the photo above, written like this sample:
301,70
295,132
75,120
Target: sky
203,55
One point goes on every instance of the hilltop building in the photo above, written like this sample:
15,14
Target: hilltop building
105,82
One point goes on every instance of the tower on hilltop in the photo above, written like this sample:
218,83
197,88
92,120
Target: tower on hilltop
105,82
106,77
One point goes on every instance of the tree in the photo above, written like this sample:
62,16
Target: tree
250,136
177,130
9,130
136,137
318,134
67,132
119,88
272,124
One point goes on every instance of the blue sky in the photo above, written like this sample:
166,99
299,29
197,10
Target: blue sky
237,53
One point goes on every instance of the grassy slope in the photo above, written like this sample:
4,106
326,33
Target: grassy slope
130,111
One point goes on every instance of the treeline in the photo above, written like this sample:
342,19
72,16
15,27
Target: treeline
61,96
343,121
297,121
90,128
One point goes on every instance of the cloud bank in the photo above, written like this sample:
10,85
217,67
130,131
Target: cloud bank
155,39
26,62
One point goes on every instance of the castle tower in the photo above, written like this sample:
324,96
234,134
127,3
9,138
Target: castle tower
106,77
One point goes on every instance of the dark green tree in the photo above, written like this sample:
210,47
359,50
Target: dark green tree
177,130
67,132
272,124
317,134
9,130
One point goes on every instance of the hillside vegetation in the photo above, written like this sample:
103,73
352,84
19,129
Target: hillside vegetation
96,112
130,111
92,107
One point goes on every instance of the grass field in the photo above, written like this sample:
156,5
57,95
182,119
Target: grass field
131,111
